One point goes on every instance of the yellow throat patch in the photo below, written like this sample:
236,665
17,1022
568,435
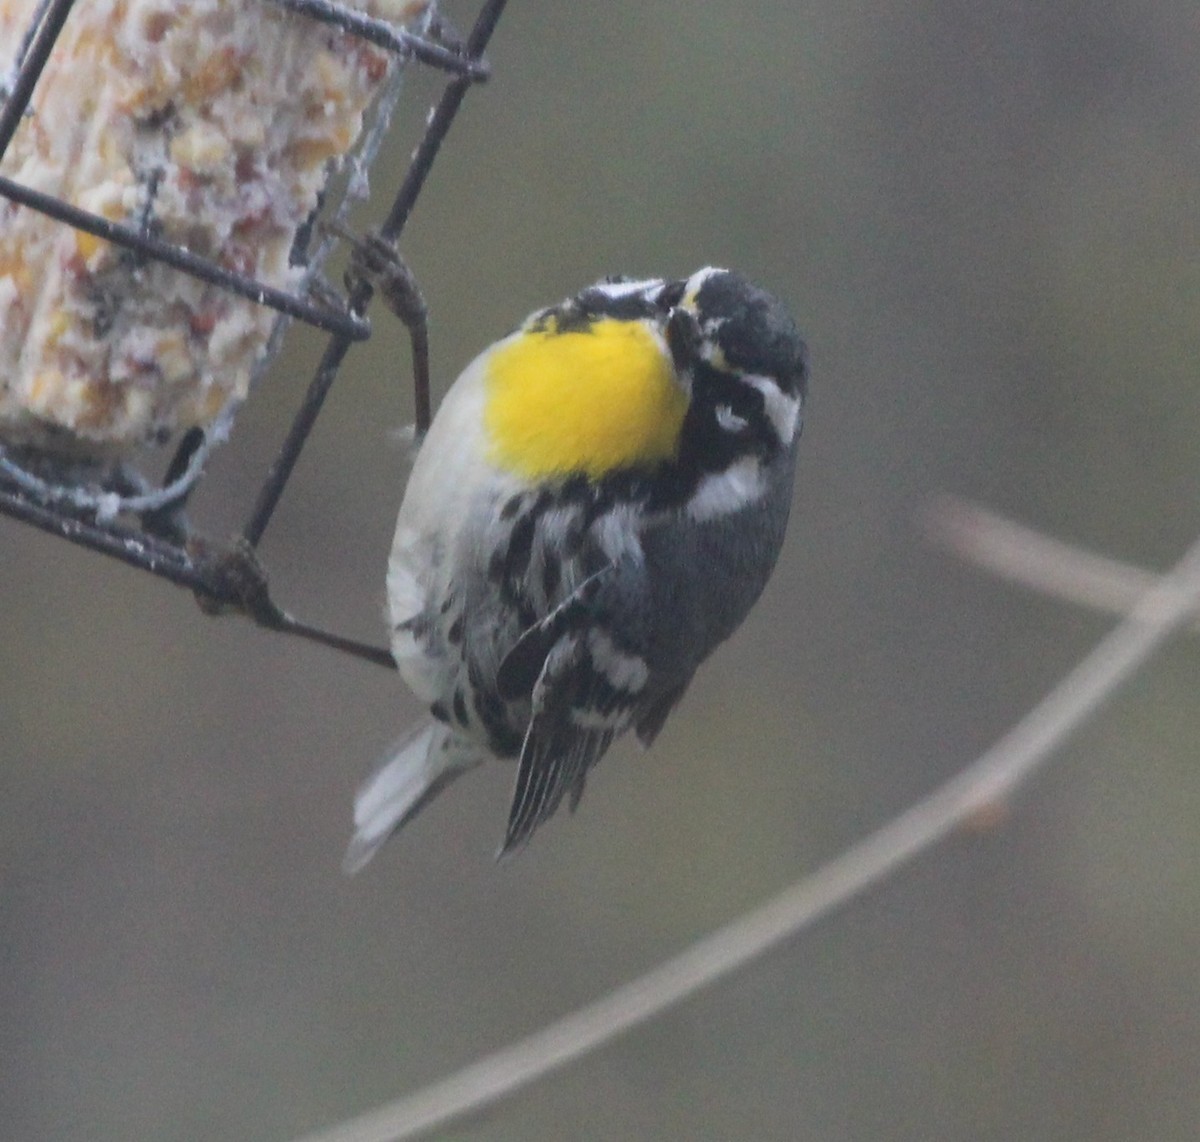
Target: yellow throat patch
587,401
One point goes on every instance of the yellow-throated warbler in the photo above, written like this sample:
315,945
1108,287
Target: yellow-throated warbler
598,503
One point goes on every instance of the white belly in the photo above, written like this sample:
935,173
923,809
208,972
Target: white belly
451,492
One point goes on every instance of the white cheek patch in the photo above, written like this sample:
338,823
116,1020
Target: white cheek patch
782,411
740,485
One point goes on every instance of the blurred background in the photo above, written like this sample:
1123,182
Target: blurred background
984,218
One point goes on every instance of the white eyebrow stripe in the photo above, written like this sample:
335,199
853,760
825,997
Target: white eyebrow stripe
696,282
782,410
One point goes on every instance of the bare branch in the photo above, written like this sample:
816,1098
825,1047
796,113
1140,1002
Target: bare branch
1163,608
1034,559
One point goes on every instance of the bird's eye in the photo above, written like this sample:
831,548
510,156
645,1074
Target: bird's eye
729,420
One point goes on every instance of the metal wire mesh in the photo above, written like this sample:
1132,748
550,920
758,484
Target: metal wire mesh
118,511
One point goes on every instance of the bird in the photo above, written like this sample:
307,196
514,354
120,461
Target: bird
596,506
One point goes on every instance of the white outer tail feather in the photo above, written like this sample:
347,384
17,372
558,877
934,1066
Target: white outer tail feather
417,767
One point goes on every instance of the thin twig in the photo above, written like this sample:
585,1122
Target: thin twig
1034,559
1164,607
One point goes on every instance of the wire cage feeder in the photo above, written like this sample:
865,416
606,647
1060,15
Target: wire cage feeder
142,303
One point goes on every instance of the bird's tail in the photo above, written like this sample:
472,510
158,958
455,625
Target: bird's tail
414,771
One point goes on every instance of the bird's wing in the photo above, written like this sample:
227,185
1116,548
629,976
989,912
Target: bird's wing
652,719
591,674
522,665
